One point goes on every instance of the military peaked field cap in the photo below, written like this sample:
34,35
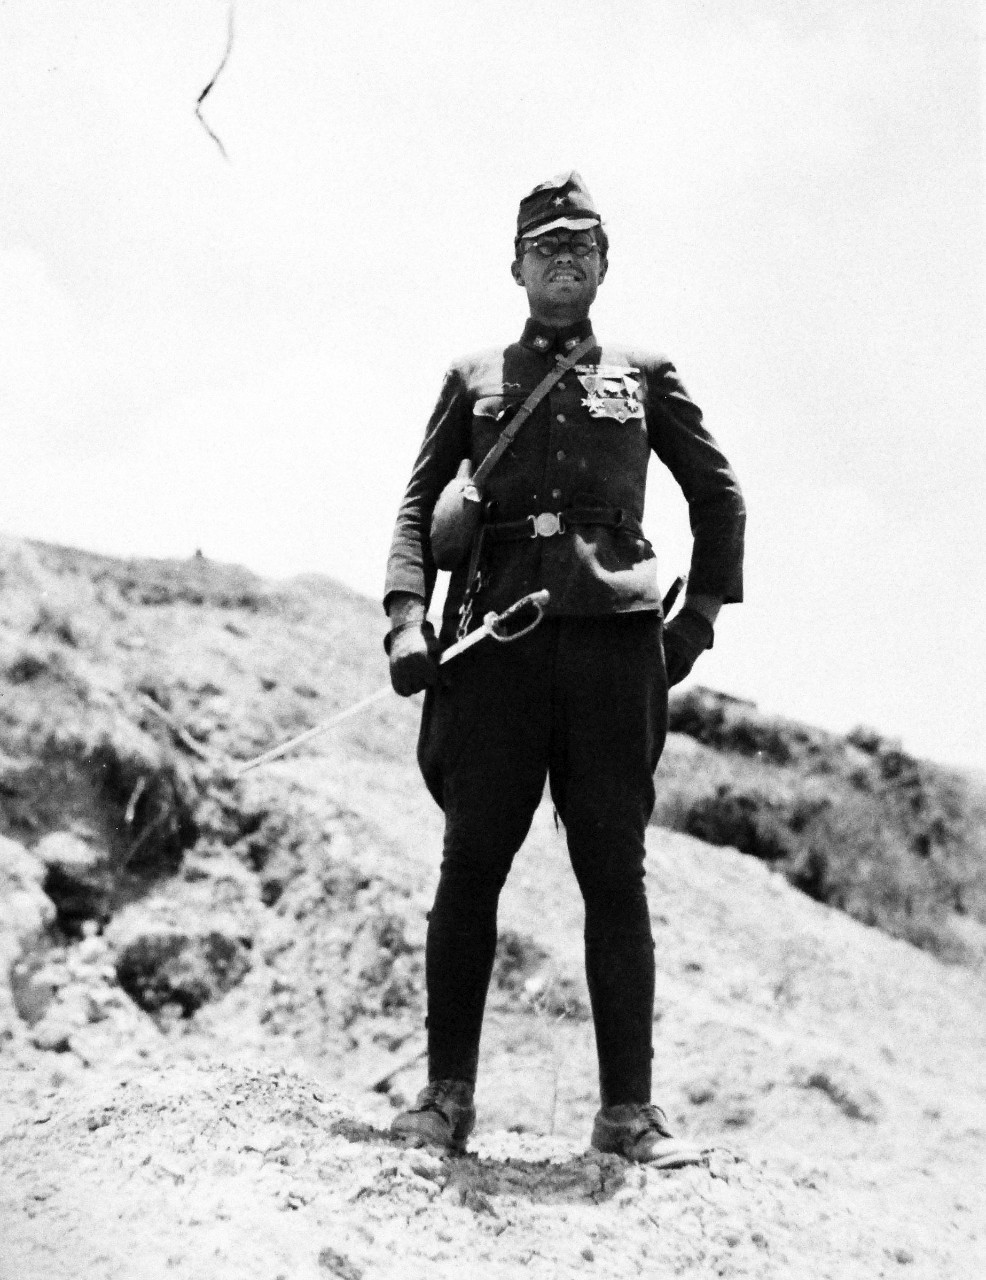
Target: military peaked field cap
562,201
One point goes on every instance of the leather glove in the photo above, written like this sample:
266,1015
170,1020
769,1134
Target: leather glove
412,648
687,635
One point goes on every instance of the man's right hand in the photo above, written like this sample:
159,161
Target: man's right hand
413,651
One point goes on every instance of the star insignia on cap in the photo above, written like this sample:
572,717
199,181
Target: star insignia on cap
558,200
540,342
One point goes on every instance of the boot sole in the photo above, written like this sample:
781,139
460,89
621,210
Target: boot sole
452,1147
413,1137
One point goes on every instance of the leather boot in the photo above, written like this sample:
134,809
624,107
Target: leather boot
639,1132
443,1116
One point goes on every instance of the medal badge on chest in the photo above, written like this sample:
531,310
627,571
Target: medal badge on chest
613,391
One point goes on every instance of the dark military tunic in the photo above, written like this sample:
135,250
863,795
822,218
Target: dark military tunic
586,447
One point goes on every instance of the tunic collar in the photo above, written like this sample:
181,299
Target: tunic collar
546,340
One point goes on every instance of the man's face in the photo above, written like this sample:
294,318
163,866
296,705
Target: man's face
557,278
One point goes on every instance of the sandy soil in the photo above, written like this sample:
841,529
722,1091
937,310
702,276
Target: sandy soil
836,1072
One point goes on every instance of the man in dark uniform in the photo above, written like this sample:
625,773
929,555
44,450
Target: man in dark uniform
582,699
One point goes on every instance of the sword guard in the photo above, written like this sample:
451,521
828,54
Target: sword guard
537,601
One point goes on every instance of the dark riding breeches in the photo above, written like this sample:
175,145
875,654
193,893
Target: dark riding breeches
583,702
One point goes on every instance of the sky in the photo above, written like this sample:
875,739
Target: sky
238,353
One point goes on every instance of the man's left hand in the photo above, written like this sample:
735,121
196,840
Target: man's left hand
686,636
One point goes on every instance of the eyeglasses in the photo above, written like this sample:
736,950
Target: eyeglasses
581,245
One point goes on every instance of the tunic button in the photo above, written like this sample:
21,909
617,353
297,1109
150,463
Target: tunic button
561,386
560,417
560,455
556,493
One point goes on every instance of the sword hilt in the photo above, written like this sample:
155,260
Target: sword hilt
674,591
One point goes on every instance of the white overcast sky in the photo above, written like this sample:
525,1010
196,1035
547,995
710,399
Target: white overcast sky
240,355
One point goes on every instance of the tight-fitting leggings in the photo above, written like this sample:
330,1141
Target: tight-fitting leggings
583,702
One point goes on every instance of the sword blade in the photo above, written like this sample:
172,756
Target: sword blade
460,646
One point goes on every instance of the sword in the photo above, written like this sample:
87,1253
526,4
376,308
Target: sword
505,627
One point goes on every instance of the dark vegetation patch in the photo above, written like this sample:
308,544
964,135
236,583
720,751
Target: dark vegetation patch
854,821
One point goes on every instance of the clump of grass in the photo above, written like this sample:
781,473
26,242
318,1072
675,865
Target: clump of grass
523,972
30,665
736,726
197,580
518,958
56,623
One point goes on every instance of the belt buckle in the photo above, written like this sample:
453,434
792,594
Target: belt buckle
545,525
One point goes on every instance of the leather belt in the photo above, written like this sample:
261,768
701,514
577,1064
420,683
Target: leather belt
549,523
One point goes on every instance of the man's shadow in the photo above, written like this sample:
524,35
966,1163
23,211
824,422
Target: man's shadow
472,1180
